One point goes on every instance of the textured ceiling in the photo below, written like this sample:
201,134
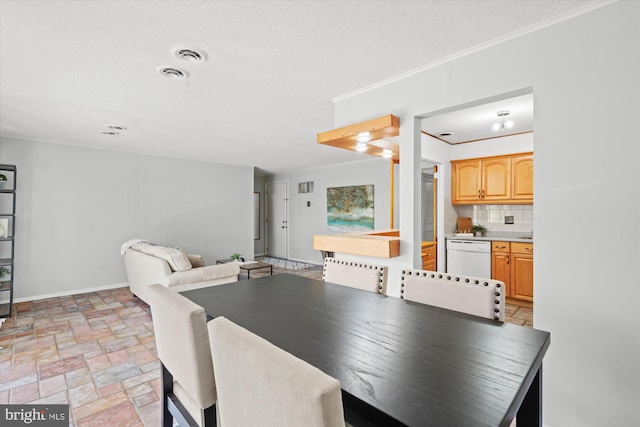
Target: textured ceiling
68,68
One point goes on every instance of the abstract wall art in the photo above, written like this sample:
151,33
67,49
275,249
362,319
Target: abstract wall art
350,208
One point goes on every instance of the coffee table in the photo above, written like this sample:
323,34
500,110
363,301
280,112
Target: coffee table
249,266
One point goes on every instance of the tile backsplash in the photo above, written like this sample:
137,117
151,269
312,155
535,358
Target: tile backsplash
492,216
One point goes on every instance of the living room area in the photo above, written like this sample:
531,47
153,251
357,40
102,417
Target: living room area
148,148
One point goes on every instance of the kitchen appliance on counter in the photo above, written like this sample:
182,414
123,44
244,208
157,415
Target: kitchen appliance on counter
469,258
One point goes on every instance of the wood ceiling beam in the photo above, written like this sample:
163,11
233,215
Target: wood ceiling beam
380,128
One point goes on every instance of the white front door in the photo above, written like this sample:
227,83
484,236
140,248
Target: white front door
276,218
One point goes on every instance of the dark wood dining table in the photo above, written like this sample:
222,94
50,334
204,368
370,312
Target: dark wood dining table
398,362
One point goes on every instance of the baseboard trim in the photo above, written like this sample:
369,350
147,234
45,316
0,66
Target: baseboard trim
72,292
305,261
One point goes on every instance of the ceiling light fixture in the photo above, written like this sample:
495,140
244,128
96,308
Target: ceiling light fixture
445,133
364,137
190,54
361,147
501,125
109,132
175,73
386,153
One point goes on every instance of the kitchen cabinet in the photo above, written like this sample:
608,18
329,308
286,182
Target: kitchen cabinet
429,250
491,180
522,177
512,263
522,271
500,267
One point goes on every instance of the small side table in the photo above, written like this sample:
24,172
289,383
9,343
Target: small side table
248,266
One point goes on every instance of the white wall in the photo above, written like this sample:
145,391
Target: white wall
305,222
76,206
584,74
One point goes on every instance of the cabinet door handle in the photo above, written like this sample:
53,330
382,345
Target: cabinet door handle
508,259
501,247
479,194
483,194
529,249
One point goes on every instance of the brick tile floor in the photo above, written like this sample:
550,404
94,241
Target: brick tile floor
96,352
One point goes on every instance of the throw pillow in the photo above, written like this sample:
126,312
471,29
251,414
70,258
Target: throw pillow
176,259
195,260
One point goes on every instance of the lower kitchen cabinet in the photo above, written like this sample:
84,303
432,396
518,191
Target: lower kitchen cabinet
500,267
429,256
522,271
512,263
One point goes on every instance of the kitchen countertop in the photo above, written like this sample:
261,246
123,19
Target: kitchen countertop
502,236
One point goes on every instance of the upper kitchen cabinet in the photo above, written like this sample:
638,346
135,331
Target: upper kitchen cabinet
490,180
522,178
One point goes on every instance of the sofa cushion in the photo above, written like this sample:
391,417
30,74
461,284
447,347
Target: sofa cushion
202,274
195,260
174,257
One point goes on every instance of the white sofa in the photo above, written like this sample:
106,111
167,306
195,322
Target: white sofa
147,264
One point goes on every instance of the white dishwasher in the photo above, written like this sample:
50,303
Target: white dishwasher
469,258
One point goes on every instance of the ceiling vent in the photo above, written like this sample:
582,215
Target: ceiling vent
110,132
116,128
190,54
175,73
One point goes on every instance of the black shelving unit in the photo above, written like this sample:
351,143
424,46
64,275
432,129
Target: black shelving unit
7,237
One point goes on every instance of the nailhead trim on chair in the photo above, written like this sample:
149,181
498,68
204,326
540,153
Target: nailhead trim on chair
356,264
455,278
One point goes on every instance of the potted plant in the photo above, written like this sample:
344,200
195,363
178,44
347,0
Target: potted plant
478,230
4,271
237,257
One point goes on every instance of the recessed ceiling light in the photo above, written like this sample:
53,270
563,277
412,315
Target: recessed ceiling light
445,133
191,54
364,137
175,73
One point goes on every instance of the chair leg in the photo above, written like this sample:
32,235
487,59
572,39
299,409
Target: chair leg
167,388
210,416
171,404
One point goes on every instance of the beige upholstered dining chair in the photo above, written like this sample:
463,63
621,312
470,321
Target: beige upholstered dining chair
368,277
473,295
260,384
182,341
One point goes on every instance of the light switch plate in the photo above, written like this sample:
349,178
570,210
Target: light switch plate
508,219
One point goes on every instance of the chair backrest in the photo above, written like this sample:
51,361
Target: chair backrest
368,277
260,384
182,341
473,295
